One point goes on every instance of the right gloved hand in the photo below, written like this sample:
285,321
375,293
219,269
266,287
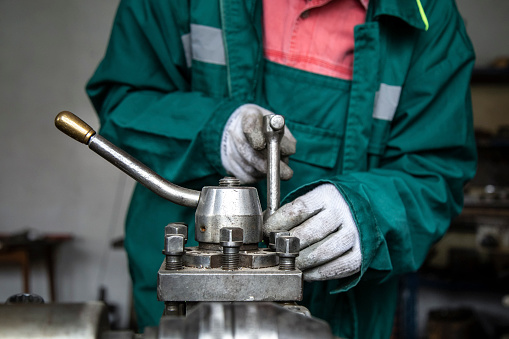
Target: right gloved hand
243,145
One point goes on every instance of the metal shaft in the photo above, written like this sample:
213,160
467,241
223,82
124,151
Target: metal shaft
274,130
141,173
77,129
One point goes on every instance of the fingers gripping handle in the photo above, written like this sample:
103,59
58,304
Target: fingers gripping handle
273,127
79,130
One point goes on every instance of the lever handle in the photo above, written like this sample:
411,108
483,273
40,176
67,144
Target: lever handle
77,129
74,127
273,127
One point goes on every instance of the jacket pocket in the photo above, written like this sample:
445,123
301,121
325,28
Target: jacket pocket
316,146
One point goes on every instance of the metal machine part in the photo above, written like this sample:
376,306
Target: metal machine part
228,206
287,249
215,270
231,240
258,320
82,132
227,266
273,237
273,127
216,284
86,320
241,320
25,298
174,250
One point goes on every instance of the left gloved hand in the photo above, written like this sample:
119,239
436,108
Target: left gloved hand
329,239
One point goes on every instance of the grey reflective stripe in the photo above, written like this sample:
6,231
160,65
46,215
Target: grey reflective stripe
386,102
207,44
186,43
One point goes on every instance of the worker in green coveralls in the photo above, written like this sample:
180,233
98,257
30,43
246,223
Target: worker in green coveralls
380,139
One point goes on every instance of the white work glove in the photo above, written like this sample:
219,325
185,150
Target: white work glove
329,239
243,145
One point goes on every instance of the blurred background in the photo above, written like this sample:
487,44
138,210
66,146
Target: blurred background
69,204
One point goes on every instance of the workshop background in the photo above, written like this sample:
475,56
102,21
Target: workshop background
51,186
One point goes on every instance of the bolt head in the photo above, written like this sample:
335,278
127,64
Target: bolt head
274,235
176,228
231,236
277,122
287,246
174,244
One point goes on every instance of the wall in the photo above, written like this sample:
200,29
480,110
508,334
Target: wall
486,23
491,106
48,50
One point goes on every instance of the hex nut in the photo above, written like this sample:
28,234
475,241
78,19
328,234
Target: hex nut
287,246
231,236
176,228
174,244
274,235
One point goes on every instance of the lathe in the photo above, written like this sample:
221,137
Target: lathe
226,287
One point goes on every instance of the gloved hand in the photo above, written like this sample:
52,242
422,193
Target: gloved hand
243,145
329,239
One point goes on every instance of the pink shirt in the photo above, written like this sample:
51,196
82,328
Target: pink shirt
313,35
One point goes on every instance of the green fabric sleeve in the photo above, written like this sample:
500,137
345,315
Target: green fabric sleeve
406,204
142,93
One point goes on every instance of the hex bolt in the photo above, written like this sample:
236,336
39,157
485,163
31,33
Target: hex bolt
287,248
176,228
273,236
231,239
174,250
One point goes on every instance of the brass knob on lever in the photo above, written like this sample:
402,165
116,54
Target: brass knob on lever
74,127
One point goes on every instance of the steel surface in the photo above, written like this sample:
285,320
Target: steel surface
215,284
144,175
221,207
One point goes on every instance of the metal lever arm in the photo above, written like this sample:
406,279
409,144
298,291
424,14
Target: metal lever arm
77,129
274,129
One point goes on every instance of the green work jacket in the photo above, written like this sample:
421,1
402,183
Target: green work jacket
399,154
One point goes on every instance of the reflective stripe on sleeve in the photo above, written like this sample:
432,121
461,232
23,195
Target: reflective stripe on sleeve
386,102
207,44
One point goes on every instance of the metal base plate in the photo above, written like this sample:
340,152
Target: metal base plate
215,284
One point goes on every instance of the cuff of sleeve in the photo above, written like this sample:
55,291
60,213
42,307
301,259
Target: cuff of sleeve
212,134
370,235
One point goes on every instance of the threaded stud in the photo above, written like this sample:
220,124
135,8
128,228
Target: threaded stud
231,240
229,182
